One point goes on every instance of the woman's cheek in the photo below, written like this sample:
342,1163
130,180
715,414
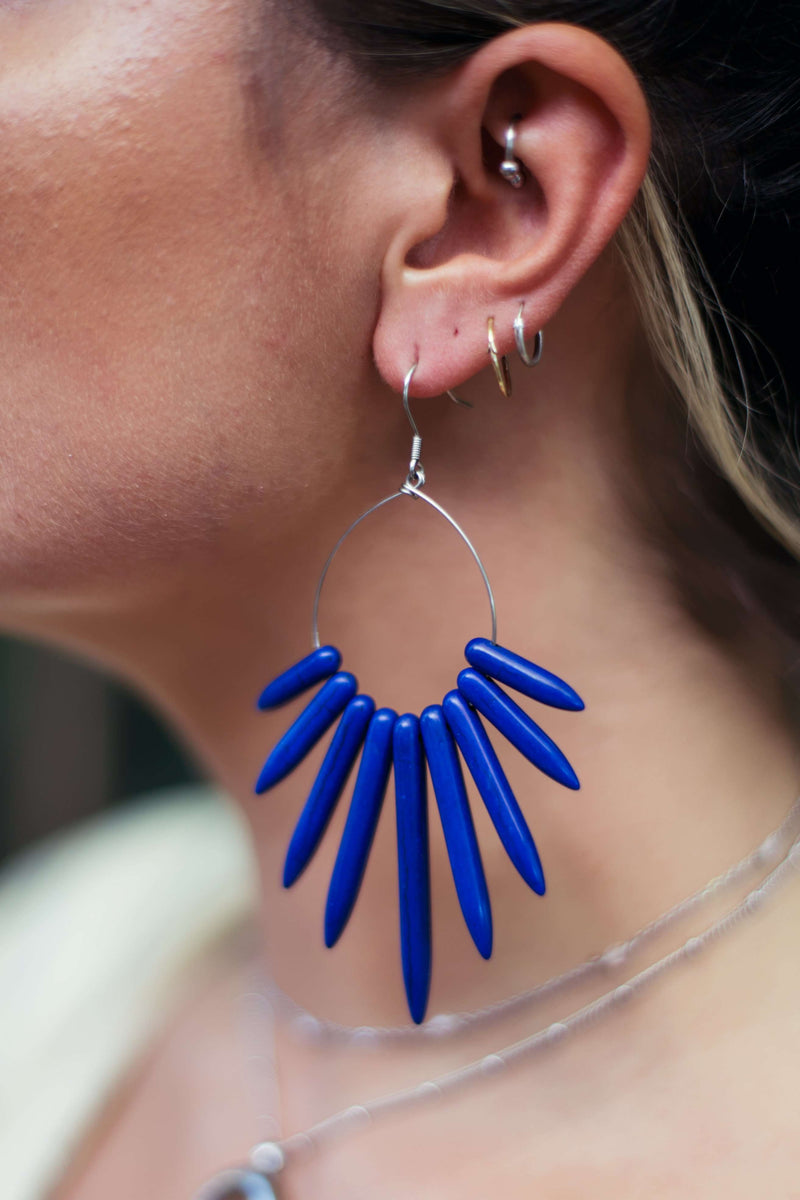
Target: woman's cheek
131,278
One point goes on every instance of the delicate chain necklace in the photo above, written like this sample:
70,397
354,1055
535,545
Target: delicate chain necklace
269,1159
315,1029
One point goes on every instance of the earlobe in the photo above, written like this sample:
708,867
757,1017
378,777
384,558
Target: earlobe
582,139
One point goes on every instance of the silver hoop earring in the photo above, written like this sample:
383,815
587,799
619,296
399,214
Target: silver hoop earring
529,359
511,168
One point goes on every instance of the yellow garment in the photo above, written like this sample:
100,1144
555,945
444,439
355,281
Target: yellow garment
97,927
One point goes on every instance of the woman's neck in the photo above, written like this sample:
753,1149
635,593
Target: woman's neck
686,754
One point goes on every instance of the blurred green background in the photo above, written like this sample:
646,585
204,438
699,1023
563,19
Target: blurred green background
72,743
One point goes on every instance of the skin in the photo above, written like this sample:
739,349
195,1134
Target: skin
219,256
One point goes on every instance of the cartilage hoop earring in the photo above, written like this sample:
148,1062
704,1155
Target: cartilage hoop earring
444,735
530,360
511,168
499,361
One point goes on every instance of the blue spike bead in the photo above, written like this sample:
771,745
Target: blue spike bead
413,863
328,786
299,678
306,731
361,823
522,675
459,831
517,726
490,778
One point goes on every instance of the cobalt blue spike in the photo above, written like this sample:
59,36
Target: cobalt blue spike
306,731
459,831
362,820
490,778
413,863
521,674
517,726
328,786
299,678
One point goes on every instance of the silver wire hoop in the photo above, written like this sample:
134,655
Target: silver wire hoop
407,489
529,359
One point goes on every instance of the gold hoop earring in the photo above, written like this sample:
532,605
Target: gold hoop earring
499,362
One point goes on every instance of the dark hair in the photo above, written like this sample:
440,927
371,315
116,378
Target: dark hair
721,81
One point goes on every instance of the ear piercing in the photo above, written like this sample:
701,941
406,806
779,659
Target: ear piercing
511,168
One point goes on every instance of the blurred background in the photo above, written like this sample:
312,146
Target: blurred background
72,743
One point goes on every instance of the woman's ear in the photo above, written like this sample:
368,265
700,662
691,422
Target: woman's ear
467,245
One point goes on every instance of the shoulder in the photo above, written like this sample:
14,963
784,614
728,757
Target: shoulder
97,927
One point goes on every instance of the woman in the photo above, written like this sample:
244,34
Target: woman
228,233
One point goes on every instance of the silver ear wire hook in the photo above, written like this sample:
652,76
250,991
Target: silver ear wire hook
416,471
529,359
511,168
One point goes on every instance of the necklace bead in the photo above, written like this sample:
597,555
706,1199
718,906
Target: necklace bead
270,1158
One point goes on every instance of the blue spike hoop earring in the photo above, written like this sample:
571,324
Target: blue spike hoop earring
442,735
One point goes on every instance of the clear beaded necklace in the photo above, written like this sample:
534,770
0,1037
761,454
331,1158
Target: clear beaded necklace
269,1159
315,1029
